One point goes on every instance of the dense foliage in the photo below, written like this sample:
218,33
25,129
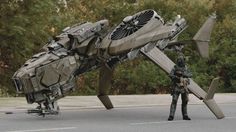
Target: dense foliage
26,25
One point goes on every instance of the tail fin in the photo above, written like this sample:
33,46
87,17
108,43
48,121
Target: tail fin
210,102
202,37
212,88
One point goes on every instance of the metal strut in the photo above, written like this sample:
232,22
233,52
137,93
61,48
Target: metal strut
45,108
105,77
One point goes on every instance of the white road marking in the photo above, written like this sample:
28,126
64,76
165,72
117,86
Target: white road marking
158,122
46,129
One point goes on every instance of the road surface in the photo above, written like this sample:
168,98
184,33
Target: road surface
126,117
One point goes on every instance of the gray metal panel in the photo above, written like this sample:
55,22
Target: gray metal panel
203,48
204,33
202,37
196,89
158,57
210,102
212,88
215,109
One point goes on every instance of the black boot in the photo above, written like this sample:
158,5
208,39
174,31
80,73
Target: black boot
170,118
186,118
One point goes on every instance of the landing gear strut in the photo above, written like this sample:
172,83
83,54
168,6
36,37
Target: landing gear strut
45,108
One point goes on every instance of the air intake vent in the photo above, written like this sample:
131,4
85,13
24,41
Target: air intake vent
131,24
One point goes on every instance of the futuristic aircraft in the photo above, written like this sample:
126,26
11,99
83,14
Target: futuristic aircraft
50,75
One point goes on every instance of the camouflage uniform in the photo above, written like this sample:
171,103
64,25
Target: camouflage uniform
180,78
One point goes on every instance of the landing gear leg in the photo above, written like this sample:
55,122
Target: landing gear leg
46,108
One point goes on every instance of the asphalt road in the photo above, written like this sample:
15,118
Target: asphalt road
122,119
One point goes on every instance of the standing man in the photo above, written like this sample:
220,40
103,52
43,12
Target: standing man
180,80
